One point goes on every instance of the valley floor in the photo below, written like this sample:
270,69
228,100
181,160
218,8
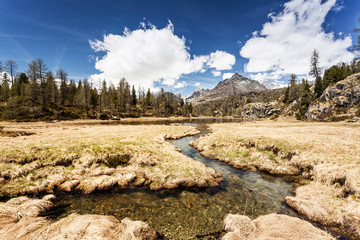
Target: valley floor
89,156
73,156
328,154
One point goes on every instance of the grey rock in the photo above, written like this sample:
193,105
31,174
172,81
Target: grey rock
259,110
344,93
197,93
230,87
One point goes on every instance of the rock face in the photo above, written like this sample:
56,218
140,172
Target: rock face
272,226
21,218
230,87
345,93
197,93
252,111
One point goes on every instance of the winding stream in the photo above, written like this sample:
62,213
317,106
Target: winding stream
189,213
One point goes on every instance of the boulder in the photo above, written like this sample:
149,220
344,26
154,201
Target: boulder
259,110
344,93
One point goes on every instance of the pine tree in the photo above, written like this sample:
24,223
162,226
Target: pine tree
11,66
148,98
62,75
133,96
315,71
34,86
5,87
305,100
51,90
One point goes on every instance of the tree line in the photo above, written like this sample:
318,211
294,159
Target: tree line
39,94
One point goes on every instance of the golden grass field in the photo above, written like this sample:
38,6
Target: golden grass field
326,153
87,157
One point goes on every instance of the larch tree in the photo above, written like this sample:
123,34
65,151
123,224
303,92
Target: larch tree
11,66
34,86
315,71
133,96
62,75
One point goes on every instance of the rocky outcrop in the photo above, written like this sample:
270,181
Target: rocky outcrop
22,218
230,87
319,110
252,111
343,94
272,226
197,93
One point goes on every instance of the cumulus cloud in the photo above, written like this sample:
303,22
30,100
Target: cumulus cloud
269,80
197,84
221,60
216,73
227,75
148,55
285,43
180,85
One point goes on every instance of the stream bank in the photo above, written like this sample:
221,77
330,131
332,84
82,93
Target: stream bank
195,213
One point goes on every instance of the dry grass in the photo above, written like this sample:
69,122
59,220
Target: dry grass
20,219
328,205
327,153
272,226
309,143
89,157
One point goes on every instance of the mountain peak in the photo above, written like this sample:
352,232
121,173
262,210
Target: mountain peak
197,93
231,86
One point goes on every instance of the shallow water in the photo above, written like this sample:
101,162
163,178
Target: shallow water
189,213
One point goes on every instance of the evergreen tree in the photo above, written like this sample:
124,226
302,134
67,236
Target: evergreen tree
315,71
148,98
319,87
5,87
51,90
34,86
305,100
11,66
62,75
133,96
286,96
72,88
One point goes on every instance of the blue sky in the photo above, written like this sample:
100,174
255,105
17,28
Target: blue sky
59,32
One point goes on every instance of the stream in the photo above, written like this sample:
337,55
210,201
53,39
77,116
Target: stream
195,213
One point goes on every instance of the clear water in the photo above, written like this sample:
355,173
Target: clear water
189,213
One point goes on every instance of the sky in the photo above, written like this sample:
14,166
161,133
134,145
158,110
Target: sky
178,45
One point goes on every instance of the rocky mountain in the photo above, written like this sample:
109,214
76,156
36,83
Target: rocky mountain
197,93
230,87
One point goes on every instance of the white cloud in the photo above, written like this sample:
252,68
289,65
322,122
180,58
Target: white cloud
216,73
148,55
227,75
269,80
221,60
180,85
169,81
285,43
197,84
